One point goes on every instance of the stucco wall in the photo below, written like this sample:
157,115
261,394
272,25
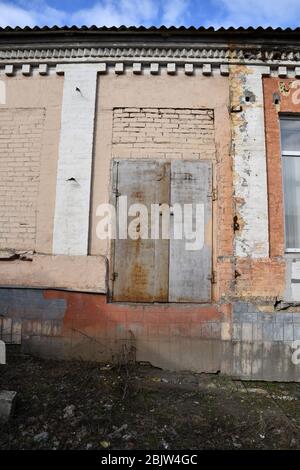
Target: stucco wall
188,95
34,102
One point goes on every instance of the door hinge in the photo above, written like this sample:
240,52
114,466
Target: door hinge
116,193
213,194
212,277
236,109
114,276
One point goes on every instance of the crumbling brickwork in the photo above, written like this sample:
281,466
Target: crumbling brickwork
163,133
20,149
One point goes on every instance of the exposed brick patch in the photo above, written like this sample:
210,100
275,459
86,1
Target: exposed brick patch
163,133
264,279
20,149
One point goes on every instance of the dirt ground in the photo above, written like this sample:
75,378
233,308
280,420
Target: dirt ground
79,405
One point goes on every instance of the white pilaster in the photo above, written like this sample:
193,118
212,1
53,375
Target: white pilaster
73,186
249,159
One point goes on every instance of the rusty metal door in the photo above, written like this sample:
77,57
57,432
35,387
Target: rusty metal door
141,266
190,269
162,270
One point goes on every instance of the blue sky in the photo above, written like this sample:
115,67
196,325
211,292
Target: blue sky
151,12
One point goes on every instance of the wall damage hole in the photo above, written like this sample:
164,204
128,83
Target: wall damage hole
73,181
236,225
11,255
276,98
249,97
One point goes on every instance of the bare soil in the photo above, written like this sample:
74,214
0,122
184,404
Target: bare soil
80,405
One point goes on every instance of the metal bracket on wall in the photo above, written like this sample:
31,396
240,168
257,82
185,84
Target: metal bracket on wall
213,194
116,193
212,277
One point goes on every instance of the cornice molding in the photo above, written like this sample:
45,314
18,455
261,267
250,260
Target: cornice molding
178,54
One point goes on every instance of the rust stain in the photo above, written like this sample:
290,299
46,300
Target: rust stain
240,201
208,233
139,277
137,286
138,195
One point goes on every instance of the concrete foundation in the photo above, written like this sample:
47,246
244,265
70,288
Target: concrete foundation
239,339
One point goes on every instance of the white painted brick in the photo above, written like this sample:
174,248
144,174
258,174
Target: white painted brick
119,68
154,68
189,69
26,69
9,70
206,69
282,72
137,68
43,69
102,67
224,69
171,68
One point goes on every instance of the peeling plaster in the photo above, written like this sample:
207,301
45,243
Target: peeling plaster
249,162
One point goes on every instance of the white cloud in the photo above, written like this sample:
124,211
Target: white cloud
104,12
148,12
14,16
175,12
39,13
116,13
255,13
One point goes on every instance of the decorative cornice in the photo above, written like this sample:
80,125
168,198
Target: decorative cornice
113,54
140,68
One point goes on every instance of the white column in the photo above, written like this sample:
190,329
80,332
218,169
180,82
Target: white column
73,186
249,161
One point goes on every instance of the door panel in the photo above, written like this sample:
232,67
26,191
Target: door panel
141,266
190,271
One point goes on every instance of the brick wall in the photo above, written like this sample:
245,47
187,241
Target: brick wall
163,133
273,87
20,148
283,90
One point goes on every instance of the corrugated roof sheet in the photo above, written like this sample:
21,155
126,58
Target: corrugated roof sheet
190,29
